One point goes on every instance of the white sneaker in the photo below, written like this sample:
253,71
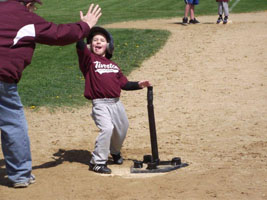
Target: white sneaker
25,184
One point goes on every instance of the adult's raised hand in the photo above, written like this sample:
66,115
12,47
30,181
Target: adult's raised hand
92,16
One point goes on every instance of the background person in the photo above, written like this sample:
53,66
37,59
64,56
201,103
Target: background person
223,9
20,30
190,8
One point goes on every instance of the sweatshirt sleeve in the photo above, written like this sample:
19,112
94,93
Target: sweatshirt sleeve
131,85
62,34
80,45
84,56
122,79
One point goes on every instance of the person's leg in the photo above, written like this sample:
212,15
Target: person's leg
226,12
193,19
14,135
220,12
186,12
192,12
187,9
225,8
103,121
121,124
220,8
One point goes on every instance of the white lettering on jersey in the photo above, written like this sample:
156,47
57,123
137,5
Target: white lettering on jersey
103,68
27,30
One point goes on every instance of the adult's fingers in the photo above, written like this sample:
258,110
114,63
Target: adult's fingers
90,8
98,16
95,9
98,12
81,14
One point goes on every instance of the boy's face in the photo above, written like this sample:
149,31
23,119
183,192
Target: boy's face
99,45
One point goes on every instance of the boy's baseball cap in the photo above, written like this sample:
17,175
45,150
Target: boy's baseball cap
30,1
96,30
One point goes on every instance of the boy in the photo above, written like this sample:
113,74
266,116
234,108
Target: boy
190,7
103,83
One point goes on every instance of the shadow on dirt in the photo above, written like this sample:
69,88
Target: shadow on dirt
80,156
187,24
3,176
180,23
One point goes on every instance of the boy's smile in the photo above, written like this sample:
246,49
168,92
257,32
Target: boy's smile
99,45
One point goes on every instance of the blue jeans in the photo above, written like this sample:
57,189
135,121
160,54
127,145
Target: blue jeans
14,134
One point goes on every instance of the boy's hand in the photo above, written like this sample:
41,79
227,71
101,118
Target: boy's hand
92,15
143,84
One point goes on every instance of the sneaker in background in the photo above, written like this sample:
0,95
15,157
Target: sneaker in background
193,21
219,20
185,20
225,20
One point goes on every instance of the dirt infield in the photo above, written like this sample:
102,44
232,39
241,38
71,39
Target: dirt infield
210,99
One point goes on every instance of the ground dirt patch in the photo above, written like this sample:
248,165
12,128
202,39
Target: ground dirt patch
210,99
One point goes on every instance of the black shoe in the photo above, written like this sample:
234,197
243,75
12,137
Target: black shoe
185,20
100,168
219,20
117,159
225,20
193,21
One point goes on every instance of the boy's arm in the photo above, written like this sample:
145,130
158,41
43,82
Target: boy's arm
84,56
80,45
130,85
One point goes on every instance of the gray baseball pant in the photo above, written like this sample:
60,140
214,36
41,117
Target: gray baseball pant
111,119
223,7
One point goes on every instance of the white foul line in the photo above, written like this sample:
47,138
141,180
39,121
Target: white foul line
234,4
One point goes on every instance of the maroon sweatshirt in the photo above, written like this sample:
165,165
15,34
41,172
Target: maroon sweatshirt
103,78
20,30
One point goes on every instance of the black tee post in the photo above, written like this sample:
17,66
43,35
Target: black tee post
152,125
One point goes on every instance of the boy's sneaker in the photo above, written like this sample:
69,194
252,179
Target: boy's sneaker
117,159
225,20
185,20
25,184
100,168
219,20
193,21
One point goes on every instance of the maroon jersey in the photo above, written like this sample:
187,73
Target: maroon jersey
103,78
21,29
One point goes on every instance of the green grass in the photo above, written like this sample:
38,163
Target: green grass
53,78
249,6
118,10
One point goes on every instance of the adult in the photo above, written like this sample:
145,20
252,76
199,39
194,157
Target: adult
20,30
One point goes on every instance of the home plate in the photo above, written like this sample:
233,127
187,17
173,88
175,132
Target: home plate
228,22
125,172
